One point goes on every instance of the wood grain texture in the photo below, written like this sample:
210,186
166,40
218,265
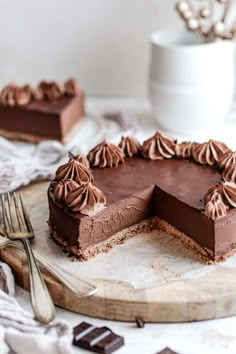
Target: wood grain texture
212,295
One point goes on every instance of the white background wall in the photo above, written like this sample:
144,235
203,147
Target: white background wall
104,43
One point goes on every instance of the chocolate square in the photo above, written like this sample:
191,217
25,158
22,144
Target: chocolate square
99,340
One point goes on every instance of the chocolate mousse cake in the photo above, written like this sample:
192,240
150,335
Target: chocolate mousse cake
49,111
185,189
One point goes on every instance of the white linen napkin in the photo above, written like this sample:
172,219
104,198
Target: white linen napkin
21,163
21,333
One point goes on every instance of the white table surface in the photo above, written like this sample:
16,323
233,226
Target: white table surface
206,337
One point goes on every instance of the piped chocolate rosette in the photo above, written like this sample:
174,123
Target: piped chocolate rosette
209,153
222,197
219,199
15,95
184,150
63,187
158,147
74,187
130,146
86,199
81,158
106,155
12,95
226,160
74,170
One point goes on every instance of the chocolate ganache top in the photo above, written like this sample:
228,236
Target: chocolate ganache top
87,199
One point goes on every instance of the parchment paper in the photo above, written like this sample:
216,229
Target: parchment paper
146,260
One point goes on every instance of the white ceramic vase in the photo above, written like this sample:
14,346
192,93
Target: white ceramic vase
191,84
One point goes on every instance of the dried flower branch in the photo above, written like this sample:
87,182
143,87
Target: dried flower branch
201,21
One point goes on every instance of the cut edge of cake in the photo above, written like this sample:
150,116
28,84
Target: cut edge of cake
203,254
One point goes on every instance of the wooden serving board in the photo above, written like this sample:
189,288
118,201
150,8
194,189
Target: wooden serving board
209,296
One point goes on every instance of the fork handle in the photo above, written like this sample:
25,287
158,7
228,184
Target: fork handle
42,304
79,287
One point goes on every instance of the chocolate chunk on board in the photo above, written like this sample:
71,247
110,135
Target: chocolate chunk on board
139,322
167,351
99,340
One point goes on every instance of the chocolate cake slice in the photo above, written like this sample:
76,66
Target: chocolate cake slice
50,111
177,188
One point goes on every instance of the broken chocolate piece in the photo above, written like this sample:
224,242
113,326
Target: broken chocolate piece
99,340
139,322
167,351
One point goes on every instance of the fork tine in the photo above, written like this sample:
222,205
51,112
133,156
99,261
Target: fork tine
26,216
7,224
11,225
4,213
18,214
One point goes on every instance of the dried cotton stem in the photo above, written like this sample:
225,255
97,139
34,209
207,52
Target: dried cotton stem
201,22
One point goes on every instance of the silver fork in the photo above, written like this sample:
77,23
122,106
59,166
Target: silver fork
80,288
42,304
